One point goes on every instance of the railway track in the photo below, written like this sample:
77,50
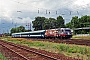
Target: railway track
19,52
67,41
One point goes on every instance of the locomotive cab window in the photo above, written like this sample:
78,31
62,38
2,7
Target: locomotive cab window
68,30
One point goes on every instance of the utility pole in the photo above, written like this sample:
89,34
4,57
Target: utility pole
15,25
29,26
73,27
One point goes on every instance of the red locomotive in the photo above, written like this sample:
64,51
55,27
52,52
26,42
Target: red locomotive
59,33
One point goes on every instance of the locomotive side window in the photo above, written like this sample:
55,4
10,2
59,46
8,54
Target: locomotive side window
62,30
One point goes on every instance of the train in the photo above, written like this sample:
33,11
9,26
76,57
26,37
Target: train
49,33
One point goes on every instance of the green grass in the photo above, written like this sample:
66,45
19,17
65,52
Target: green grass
2,57
81,37
72,50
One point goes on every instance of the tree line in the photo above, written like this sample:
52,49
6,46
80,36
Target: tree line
77,22
42,23
81,22
19,29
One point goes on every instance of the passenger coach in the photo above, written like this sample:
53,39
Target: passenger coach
33,34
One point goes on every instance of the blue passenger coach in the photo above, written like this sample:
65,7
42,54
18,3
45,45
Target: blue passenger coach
36,34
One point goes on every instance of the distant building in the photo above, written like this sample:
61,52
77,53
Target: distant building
83,30
2,35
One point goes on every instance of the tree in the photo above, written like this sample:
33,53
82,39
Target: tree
18,29
46,24
75,22
52,23
38,23
49,23
13,30
84,21
60,22
69,25
21,29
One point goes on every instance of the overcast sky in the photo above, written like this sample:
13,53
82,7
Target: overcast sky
14,13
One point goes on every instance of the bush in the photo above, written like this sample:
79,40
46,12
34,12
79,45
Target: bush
88,32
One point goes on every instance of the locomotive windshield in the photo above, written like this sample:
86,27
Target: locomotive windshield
68,30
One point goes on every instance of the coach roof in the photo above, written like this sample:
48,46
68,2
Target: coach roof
30,32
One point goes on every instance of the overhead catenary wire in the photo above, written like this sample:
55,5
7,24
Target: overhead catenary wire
35,7
51,9
47,11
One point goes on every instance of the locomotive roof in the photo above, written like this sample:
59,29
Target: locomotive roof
37,31
51,29
58,28
64,28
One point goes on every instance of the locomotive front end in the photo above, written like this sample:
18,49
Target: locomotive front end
68,33
64,33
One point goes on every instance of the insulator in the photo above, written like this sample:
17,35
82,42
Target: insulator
56,12
49,12
12,22
70,12
19,11
46,11
77,12
38,11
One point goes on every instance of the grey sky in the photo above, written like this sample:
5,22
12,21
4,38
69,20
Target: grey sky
28,10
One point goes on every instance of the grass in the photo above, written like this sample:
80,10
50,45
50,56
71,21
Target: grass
2,57
72,50
81,37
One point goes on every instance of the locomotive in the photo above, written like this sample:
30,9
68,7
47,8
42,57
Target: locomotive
49,33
